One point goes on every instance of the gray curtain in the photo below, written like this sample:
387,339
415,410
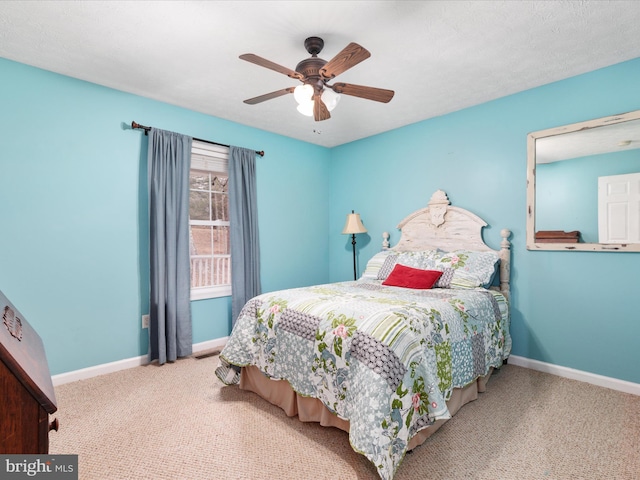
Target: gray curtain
243,220
169,160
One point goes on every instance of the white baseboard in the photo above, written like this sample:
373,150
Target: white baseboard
582,376
219,343
84,373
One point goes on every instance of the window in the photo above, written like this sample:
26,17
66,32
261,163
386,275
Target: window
209,221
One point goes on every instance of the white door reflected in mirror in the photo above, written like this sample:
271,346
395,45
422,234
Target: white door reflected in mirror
619,208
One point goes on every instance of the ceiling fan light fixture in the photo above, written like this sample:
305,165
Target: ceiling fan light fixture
306,108
303,94
330,98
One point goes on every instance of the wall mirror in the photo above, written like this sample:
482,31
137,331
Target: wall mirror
583,186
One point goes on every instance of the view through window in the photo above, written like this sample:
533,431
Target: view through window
209,222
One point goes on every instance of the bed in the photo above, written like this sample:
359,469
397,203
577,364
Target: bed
393,355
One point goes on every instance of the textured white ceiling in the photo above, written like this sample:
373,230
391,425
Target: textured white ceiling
438,56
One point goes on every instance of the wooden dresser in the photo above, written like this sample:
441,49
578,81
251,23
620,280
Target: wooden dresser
27,397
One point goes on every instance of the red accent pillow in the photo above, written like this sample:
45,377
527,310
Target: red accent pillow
403,276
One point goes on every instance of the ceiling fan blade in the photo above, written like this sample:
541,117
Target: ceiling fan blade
320,110
350,56
370,93
263,62
269,96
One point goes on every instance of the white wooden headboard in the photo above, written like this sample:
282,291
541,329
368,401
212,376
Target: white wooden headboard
443,226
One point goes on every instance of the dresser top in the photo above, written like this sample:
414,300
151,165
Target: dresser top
22,351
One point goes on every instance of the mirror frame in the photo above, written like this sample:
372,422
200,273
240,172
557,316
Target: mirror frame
531,186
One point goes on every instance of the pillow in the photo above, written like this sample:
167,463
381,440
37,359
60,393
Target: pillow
423,259
387,267
375,264
471,269
408,277
419,259
426,260
445,280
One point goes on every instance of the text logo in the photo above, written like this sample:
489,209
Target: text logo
49,467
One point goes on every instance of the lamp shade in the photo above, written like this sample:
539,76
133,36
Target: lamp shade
353,224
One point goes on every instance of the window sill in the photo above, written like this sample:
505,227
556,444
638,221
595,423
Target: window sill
210,292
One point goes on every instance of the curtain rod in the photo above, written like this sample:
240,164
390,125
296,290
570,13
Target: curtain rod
135,125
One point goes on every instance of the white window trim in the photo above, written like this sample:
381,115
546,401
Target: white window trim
209,158
203,293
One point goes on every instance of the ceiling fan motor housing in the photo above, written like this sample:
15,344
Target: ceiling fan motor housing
310,68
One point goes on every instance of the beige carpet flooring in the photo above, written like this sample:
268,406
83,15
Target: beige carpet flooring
179,422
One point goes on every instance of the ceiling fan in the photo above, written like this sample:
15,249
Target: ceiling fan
315,75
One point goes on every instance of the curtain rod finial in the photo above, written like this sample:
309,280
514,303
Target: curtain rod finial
135,125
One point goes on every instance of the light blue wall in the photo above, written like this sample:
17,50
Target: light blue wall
73,242
575,309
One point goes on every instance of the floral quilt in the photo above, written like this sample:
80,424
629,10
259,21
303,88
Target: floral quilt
384,358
